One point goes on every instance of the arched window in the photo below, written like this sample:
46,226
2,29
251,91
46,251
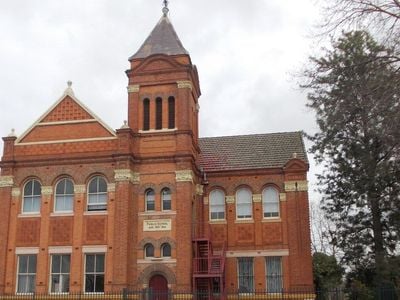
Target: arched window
166,199
244,204
166,250
64,199
270,197
217,205
148,250
171,112
146,114
32,197
97,194
158,113
150,200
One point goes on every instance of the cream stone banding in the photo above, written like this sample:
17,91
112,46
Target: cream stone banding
126,175
16,192
185,84
27,250
94,249
282,196
230,199
299,186
60,249
134,88
256,253
6,181
47,190
257,198
79,189
184,175
111,187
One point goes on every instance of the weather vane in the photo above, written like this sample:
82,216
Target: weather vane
165,9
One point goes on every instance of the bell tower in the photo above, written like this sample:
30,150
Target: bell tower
164,89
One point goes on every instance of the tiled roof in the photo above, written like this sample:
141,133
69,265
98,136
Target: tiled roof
162,40
255,151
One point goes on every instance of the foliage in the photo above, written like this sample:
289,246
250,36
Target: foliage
327,272
354,90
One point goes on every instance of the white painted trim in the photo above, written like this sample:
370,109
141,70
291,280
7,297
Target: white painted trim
67,122
62,214
67,141
65,94
271,220
158,130
217,221
157,213
156,260
244,221
29,215
94,249
60,250
257,253
96,212
26,250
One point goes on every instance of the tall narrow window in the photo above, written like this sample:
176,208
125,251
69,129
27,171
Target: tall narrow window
97,194
150,200
26,273
217,205
171,112
270,197
166,199
166,250
94,273
245,274
274,274
146,114
244,204
148,251
64,200
32,197
158,113
60,268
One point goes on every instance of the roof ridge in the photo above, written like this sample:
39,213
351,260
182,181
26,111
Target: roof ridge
252,134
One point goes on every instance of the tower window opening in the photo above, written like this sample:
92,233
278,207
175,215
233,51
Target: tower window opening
146,114
158,113
171,112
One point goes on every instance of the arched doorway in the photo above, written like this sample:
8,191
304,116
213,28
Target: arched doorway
158,287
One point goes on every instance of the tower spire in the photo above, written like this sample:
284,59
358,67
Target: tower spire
165,9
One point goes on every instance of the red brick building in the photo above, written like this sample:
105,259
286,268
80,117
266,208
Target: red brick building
85,208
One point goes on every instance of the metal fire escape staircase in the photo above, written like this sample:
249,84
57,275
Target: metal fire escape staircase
208,269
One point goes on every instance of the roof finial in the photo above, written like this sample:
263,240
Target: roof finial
165,9
68,90
69,82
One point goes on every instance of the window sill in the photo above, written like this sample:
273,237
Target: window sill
162,260
62,214
158,130
243,221
271,219
25,215
217,222
157,213
96,213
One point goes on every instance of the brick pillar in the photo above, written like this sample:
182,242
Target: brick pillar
231,218
6,183
125,179
258,217
183,227
182,105
134,121
42,269
77,271
259,273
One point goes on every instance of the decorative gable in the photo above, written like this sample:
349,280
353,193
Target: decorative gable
68,120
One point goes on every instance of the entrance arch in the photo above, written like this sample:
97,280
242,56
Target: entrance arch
158,286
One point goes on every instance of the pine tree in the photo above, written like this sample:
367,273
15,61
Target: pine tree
354,90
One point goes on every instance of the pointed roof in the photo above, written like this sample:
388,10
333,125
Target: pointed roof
162,40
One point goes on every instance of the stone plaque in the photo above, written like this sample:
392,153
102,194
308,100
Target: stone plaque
157,225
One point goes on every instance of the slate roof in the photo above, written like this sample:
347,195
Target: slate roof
255,151
162,40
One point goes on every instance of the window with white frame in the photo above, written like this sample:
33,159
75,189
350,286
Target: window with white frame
245,274
60,270
94,273
26,273
244,204
166,250
217,205
97,194
270,198
150,200
274,274
148,251
64,198
166,199
32,197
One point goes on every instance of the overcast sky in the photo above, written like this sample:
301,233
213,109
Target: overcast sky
246,51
